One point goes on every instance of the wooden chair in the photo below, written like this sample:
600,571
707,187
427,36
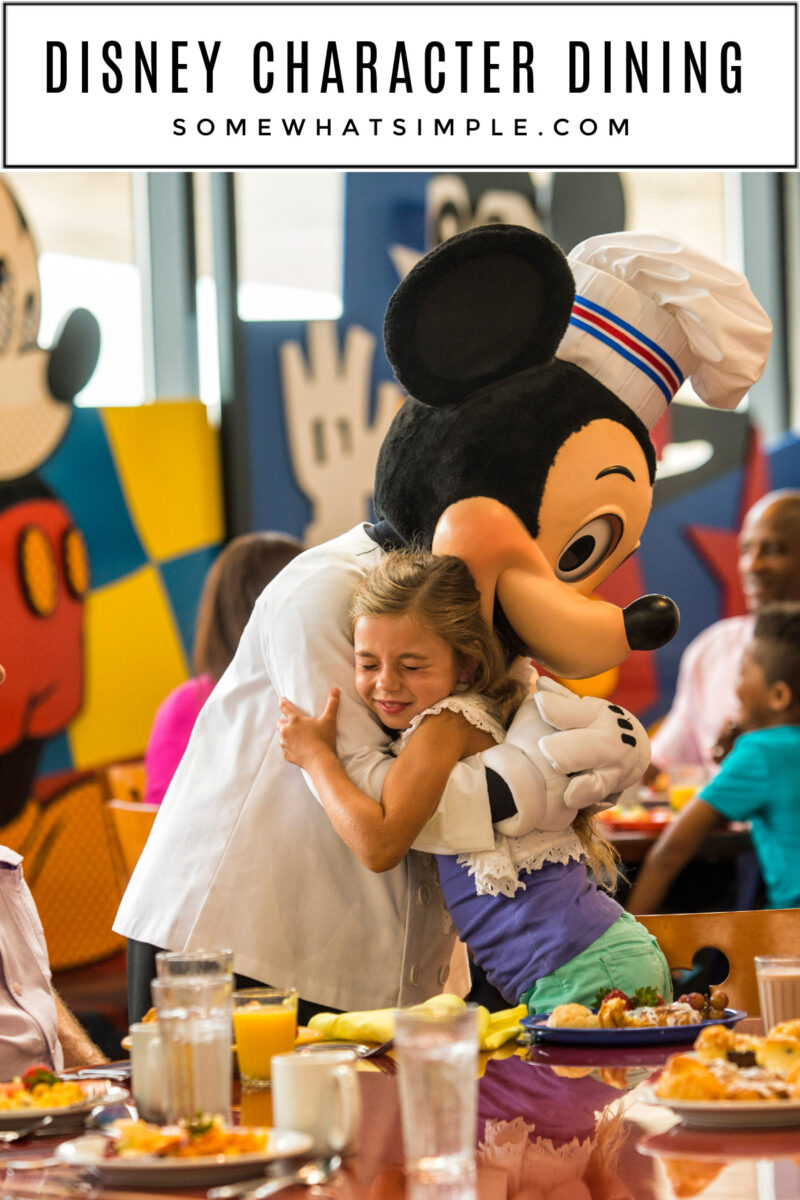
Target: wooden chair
739,935
131,821
126,780
72,868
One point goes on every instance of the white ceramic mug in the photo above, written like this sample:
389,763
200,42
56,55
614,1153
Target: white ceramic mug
147,1070
318,1093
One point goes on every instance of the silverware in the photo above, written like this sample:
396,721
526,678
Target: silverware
62,1122
310,1174
376,1051
119,1073
358,1048
12,1136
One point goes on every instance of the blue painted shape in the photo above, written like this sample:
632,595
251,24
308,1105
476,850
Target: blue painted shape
83,474
381,210
784,462
56,756
183,578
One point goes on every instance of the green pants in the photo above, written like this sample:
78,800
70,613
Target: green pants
626,956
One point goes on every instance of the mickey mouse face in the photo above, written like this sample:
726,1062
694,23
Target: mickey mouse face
32,422
528,469
455,203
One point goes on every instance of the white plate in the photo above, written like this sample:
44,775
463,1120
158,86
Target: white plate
729,1114
98,1091
90,1151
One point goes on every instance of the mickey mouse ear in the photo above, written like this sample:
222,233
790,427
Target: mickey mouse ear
480,307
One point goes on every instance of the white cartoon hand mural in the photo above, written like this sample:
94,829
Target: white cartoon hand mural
332,443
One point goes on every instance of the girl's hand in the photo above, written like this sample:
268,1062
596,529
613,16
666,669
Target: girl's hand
303,737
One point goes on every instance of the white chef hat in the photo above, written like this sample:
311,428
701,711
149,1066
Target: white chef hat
650,311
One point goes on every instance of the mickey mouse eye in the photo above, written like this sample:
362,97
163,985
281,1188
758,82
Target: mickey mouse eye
6,305
30,323
448,223
587,548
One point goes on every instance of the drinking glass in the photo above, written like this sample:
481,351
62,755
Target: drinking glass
193,962
437,1056
195,1024
264,1024
778,978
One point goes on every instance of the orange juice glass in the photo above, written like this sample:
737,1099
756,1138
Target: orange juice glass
264,1024
684,784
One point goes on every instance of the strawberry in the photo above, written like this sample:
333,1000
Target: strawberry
645,997
612,995
39,1073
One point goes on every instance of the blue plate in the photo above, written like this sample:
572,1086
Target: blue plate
649,1035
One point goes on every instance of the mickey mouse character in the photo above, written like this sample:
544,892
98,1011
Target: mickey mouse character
44,569
526,448
536,472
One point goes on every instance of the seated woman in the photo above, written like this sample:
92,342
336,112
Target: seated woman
233,584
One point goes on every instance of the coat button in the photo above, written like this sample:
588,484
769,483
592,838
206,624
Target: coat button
413,974
424,894
444,972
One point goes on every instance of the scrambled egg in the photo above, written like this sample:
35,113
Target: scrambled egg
15,1095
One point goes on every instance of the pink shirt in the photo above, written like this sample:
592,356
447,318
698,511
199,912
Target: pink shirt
705,695
169,736
28,1018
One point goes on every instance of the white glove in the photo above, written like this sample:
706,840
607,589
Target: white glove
602,746
535,783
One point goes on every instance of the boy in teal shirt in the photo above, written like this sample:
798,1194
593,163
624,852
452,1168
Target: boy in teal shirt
759,781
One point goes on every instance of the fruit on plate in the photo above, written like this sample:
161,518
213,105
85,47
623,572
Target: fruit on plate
39,1088
204,1135
641,998
710,1005
39,1073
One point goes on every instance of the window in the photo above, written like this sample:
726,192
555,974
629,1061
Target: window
83,226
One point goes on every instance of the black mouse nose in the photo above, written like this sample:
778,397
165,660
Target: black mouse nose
650,622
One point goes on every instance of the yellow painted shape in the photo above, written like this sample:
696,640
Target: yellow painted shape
168,460
133,659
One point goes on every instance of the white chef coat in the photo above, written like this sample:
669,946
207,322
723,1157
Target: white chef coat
242,855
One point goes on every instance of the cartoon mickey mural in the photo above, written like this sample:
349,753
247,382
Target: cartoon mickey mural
44,569
522,447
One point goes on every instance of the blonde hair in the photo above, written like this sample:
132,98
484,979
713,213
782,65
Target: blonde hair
438,590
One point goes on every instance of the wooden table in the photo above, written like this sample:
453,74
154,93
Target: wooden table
725,842
531,1104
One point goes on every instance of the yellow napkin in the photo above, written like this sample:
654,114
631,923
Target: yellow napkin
377,1024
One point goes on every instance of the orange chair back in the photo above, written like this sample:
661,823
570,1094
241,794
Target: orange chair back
126,781
71,865
131,822
739,935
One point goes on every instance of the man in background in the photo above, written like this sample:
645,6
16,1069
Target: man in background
699,727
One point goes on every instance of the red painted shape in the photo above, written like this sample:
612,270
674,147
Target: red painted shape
42,655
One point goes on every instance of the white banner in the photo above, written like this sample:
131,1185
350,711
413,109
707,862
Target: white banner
400,85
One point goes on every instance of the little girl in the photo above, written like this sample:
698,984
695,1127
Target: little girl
432,671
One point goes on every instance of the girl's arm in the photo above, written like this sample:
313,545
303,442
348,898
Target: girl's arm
379,834
670,853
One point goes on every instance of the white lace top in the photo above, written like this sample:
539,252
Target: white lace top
534,1162
497,871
